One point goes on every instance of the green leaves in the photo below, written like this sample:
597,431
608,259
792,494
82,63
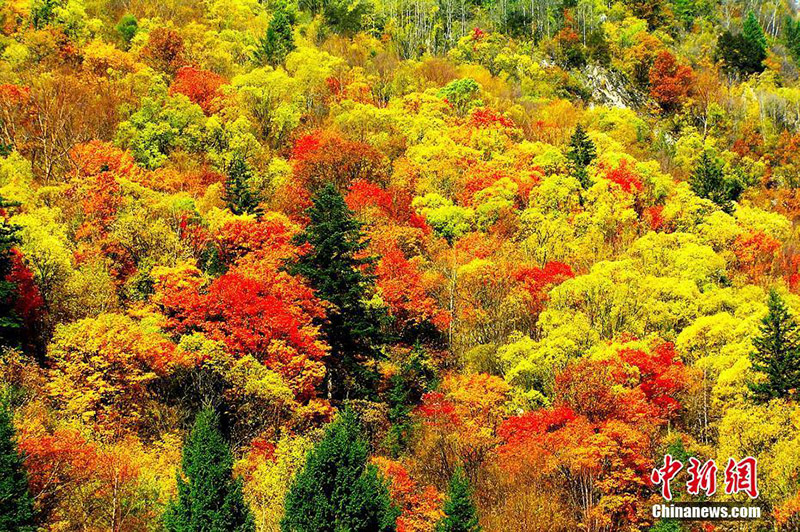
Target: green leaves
341,275
709,181
777,354
337,491
16,503
459,510
209,499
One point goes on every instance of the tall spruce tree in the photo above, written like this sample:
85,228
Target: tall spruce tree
709,181
460,514
210,499
753,32
278,41
340,274
580,154
16,503
9,321
337,490
406,388
777,353
238,196
791,36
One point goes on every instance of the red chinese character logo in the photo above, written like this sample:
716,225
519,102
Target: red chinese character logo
741,477
665,474
701,477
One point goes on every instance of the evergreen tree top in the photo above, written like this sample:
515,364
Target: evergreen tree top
337,490
753,31
581,150
459,510
777,353
209,499
16,503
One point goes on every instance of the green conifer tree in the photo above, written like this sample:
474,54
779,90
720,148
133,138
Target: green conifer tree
335,267
406,387
709,181
209,499
791,35
9,321
460,514
16,503
580,154
337,490
777,353
127,28
278,41
238,196
753,31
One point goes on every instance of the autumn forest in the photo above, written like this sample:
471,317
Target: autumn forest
398,265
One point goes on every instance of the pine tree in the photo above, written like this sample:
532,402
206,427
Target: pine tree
337,490
581,153
709,181
459,510
238,196
743,53
9,321
210,499
340,274
16,503
753,32
777,354
685,12
127,28
791,35
406,388
278,41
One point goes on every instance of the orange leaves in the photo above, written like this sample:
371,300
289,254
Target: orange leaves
600,431
56,460
265,243
402,288
472,405
421,507
200,86
670,82
324,157
164,49
256,308
755,254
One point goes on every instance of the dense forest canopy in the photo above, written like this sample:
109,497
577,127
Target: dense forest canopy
396,265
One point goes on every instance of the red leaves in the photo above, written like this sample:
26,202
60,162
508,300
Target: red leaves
269,317
487,118
600,430
402,288
538,281
661,375
364,195
420,505
437,410
200,86
670,82
625,176
324,157
755,254
28,303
